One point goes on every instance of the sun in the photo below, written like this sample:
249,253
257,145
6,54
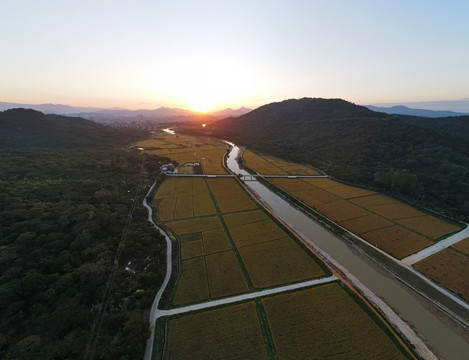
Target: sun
201,106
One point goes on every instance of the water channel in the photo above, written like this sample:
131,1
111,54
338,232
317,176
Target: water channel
442,337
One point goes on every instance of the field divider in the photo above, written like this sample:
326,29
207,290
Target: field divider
235,249
245,297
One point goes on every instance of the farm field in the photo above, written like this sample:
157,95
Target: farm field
231,332
278,262
324,322
395,227
182,198
397,241
448,268
229,195
270,165
462,246
187,151
251,252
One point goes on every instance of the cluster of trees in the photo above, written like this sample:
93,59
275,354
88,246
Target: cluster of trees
424,160
62,217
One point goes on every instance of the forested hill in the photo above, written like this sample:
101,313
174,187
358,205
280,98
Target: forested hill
421,160
29,128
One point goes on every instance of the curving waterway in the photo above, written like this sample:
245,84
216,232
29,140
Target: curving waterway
443,338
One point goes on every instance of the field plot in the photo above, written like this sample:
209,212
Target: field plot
192,249
395,211
366,223
278,262
397,241
261,165
224,275
462,246
242,218
195,225
448,268
216,241
289,167
291,185
322,183
429,225
325,323
347,191
166,209
341,210
229,195
193,284
184,198
212,161
373,200
229,333
256,232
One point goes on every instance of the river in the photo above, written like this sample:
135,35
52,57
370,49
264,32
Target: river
442,337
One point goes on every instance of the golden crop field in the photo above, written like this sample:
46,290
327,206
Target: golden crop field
322,183
153,143
291,185
289,167
462,246
430,226
216,241
229,195
397,241
183,186
242,218
184,208
314,196
395,211
277,262
324,322
212,161
373,200
224,275
192,285
235,202
448,268
229,333
166,209
166,189
261,165
341,210
195,225
347,191
366,223
257,232
203,204
192,249
299,170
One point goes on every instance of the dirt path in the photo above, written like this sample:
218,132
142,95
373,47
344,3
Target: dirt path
244,297
443,244
169,266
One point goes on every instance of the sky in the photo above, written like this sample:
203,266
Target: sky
212,54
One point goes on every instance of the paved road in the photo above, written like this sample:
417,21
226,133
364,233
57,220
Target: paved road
243,297
169,265
443,244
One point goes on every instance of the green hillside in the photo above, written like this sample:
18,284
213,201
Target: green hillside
418,158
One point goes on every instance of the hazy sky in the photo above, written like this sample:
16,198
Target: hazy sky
214,54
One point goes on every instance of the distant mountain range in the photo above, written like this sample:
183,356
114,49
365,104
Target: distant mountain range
119,114
404,110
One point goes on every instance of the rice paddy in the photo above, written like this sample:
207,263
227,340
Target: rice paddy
325,323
